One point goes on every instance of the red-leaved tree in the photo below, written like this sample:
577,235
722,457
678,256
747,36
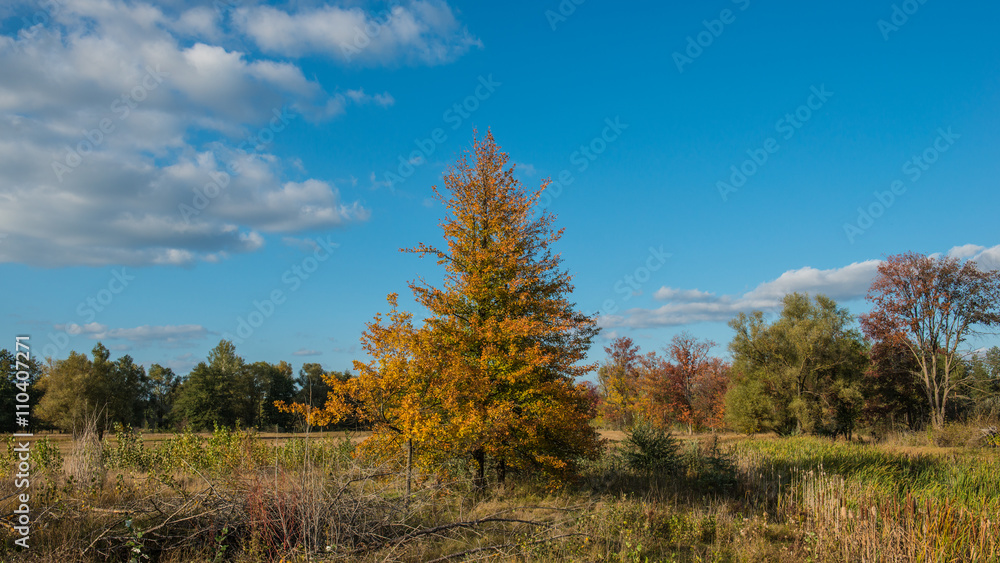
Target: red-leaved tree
930,306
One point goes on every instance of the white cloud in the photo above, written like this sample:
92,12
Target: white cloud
842,284
359,97
986,258
527,169
175,96
417,32
679,295
200,21
306,352
692,306
965,251
851,282
166,334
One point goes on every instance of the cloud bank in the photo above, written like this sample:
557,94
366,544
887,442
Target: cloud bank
847,283
141,133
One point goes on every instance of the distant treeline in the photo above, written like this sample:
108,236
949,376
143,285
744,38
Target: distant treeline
807,372
223,390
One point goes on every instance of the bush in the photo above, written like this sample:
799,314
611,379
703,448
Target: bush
707,469
130,452
650,449
990,437
954,435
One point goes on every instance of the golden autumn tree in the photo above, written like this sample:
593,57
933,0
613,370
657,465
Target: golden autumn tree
491,375
394,394
619,381
507,343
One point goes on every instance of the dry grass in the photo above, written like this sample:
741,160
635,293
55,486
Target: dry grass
245,497
66,442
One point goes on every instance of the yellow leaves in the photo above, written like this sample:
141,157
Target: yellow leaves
312,415
492,369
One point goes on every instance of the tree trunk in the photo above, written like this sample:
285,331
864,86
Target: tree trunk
479,481
409,469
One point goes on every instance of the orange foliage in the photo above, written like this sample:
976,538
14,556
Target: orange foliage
509,342
492,373
619,381
686,387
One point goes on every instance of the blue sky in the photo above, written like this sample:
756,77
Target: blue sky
176,172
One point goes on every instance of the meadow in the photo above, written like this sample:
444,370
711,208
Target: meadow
241,496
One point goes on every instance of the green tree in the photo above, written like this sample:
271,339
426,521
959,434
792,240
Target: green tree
163,385
312,385
209,395
11,386
78,388
271,383
983,398
121,385
801,373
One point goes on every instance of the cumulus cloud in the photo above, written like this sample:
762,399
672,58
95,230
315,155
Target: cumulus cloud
986,258
688,306
140,133
417,32
146,334
851,282
965,251
384,99
681,295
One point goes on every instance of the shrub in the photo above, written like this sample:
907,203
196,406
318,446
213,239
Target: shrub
707,469
650,449
954,435
130,453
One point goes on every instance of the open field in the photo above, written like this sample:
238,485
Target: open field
233,496
64,441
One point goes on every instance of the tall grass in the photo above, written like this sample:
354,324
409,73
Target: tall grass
231,496
863,503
